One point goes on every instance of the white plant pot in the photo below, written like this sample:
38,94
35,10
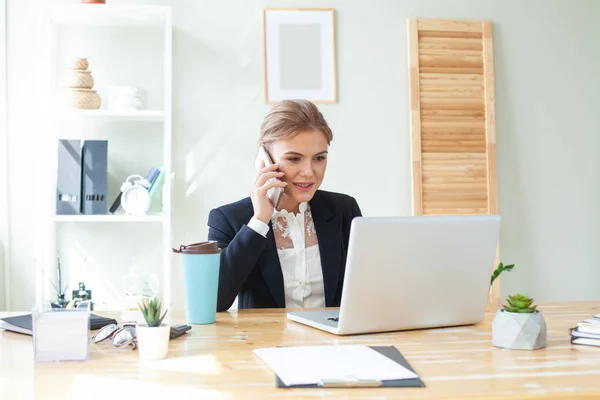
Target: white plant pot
153,342
519,331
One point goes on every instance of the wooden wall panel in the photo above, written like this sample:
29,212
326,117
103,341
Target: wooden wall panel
452,118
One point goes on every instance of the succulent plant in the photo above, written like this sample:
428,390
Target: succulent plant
520,303
501,268
151,310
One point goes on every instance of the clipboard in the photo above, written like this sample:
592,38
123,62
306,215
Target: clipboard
388,351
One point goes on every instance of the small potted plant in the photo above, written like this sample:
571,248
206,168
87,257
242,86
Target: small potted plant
519,325
152,338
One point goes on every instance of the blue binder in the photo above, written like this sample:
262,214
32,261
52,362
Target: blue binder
68,178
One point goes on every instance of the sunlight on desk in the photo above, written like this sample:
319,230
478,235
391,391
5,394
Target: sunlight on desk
218,362
105,386
203,365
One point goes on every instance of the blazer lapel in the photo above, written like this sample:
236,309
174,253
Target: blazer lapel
329,234
270,268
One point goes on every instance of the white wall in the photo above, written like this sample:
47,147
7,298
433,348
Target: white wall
3,162
546,60
21,38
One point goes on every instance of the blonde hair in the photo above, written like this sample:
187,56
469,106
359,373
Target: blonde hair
288,118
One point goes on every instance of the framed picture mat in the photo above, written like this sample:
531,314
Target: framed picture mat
277,80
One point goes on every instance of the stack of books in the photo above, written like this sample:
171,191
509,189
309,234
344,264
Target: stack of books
587,332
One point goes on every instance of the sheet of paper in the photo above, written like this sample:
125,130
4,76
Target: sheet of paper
310,364
595,320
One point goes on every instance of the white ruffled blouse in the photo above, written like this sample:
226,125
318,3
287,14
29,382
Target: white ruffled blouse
299,256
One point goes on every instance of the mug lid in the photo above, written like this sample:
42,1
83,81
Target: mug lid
209,247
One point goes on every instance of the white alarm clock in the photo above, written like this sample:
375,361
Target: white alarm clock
135,198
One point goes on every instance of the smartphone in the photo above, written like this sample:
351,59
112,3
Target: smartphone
178,330
275,194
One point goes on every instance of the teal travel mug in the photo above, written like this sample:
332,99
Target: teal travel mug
200,263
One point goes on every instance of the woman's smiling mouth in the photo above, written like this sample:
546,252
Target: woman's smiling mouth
303,186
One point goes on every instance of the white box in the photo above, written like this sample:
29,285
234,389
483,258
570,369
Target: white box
60,334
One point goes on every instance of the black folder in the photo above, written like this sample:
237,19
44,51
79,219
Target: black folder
22,323
388,351
94,186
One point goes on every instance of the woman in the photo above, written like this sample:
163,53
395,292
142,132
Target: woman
293,256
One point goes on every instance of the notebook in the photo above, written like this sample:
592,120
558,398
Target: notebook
22,323
587,332
296,367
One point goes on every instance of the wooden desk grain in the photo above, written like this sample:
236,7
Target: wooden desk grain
216,362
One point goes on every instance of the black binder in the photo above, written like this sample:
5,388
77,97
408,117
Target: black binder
388,351
22,323
94,178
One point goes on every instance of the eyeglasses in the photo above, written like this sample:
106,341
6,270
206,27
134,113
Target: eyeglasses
121,336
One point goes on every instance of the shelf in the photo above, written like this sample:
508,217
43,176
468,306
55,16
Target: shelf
111,115
108,15
123,39
109,218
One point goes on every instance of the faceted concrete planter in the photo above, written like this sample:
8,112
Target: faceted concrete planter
526,331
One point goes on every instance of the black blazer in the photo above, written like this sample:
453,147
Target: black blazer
250,264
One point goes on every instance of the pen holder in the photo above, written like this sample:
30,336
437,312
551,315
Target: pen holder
60,334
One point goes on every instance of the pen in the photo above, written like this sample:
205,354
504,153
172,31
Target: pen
349,383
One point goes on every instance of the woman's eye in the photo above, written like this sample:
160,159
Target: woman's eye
294,159
320,158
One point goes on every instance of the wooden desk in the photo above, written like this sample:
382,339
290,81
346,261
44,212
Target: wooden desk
216,362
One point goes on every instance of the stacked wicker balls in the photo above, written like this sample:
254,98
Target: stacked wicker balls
77,83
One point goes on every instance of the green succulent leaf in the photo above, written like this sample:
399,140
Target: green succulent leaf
526,311
520,303
501,268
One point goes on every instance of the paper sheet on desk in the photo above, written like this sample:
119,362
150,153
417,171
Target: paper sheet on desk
310,364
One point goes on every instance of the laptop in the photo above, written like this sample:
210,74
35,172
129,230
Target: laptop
407,273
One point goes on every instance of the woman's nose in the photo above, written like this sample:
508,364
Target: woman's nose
307,169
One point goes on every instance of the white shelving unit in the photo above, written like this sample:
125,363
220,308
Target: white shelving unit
139,115
110,218
106,31
109,15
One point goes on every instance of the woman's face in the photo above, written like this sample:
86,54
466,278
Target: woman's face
303,160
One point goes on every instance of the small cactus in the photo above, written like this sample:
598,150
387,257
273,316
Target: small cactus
151,311
520,303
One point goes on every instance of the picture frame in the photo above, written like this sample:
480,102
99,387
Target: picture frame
299,54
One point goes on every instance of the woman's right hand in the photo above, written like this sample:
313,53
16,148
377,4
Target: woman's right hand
263,208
